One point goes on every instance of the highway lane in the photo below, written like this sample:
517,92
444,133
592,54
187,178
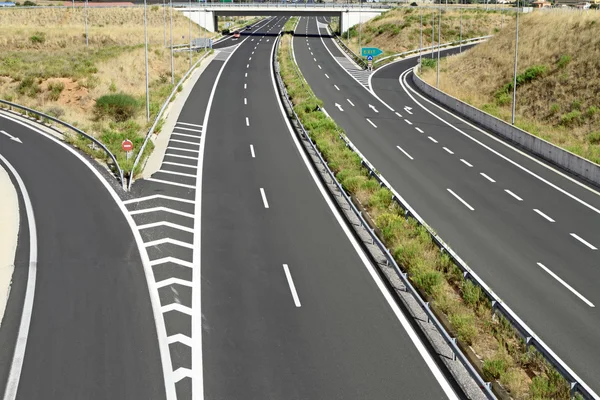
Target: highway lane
92,332
289,308
510,229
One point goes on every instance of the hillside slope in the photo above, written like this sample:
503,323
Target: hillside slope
558,98
398,30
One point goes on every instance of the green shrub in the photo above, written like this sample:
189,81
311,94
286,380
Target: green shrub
55,112
594,138
38,38
576,105
55,89
28,86
120,107
554,108
503,99
428,63
225,31
112,87
154,8
591,111
494,368
464,325
571,118
527,76
429,281
563,61
471,293
549,386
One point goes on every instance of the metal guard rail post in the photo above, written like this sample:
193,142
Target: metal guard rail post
531,339
77,130
158,117
451,342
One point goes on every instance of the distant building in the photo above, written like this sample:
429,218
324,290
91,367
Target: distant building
541,4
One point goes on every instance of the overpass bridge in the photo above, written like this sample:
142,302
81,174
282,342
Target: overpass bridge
205,14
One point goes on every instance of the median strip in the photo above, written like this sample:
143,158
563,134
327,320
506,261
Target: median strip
498,352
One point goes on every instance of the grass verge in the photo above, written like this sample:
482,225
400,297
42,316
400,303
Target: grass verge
503,354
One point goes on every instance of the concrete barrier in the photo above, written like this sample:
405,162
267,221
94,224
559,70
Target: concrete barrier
562,158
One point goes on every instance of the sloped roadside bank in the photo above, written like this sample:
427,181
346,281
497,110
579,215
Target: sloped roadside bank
497,351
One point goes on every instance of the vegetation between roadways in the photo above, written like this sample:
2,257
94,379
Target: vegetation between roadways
503,354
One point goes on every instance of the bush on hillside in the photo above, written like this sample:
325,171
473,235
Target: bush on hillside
120,107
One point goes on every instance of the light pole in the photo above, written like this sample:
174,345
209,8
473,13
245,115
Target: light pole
86,25
146,55
421,44
437,84
190,33
432,33
514,102
359,23
171,34
460,37
165,22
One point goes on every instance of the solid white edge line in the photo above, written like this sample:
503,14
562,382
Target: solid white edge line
487,177
506,158
448,150
16,366
290,281
588,244
513,195
565,284
438,375
461,200
468,164
405,153
252,151
371,122
543,215
264,198
165,354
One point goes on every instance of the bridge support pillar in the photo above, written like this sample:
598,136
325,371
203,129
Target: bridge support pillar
349,18
204,18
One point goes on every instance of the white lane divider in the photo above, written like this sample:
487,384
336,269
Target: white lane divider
583,241
405,153
264,197
319,67
252,151
245,101
311,53
398,114
407,121
466,163
461,200
247,66
336,87
246,75
326,76
245,86
407,109
487,177
419,130
513,195
371,122
315,59
432,139
372,107
565,284
352,104
288,276
448,150
247,122
543,215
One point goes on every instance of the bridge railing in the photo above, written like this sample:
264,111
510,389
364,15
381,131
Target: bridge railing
341,6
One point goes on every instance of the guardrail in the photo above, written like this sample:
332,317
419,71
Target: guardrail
158,117
358,59
498,306
450,341
76,130
464,41
211,6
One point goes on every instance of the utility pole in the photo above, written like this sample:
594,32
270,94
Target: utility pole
514,103
87,43
146,54
460,37
437,84
432,33
171,33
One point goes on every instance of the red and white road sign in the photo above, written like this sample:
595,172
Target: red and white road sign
127,145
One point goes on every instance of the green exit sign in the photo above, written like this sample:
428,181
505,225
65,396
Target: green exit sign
370,51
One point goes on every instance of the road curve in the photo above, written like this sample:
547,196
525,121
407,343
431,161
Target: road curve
92,332
503,212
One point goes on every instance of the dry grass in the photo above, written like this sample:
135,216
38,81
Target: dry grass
46,48
398,30
562,105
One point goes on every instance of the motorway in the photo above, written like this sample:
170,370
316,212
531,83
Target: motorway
529,231
92,333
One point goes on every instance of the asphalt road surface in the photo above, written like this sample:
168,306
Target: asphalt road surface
289,308
92,332
528,231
